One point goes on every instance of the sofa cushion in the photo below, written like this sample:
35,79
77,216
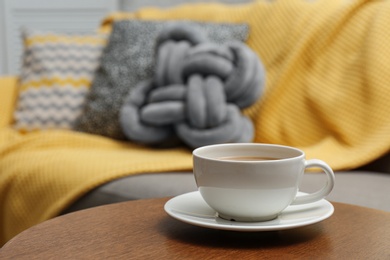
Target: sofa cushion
56,74
363,188
8,95
129,59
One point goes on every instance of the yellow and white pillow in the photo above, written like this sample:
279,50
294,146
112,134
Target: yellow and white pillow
56,74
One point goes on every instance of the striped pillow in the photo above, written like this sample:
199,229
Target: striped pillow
56,75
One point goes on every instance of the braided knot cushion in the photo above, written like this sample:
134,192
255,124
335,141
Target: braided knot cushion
197,92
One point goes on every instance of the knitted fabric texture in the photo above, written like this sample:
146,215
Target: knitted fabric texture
197,92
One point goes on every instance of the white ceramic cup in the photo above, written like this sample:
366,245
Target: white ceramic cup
254,190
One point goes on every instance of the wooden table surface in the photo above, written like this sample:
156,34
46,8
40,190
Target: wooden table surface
142,230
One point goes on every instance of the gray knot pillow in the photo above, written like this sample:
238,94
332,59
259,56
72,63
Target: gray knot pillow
196,92
129,58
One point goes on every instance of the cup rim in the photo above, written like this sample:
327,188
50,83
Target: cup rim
198,150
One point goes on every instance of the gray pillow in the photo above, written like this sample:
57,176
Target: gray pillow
129,59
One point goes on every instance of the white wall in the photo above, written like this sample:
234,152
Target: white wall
3,60
76,16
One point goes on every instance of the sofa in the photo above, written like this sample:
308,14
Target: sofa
326,92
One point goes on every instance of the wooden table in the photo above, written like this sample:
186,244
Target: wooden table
142,230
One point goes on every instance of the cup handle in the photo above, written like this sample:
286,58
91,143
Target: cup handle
322,192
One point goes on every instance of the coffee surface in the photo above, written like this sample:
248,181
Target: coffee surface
247,158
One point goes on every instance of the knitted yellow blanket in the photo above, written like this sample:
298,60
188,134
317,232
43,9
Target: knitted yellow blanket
328,93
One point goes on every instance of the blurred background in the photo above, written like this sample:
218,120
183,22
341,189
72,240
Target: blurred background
70,16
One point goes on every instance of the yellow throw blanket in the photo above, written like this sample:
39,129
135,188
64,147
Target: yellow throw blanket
328,93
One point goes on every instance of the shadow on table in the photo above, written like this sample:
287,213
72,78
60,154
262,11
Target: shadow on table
205,237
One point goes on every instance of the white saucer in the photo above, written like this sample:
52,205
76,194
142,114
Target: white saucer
192,209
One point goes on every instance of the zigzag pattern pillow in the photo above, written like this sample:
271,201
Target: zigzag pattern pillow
56,75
